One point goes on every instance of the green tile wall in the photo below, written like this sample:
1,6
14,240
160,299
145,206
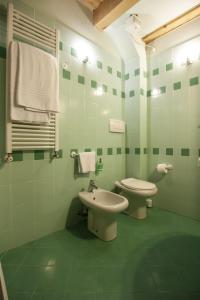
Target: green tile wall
119,74
60,46
119,150
93,84
137,72
177,85
38,154
81,79
169,66
99,65
73,52
105,88
156,151
132,93
38,192
163,89
155,72
109,69
169,151
99,151
114,92
17,155
2,52
174,128
185,152
110,151
66,74
194,81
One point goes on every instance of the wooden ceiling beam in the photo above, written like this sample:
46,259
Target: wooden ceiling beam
173,24
109,10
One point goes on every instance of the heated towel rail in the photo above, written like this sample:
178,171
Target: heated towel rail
26,136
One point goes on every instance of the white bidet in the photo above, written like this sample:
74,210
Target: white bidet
102,207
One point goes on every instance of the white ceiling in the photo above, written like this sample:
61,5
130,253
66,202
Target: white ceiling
155,13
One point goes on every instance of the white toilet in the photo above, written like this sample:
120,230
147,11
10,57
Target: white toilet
136,191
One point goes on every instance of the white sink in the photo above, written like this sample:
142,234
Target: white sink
102,207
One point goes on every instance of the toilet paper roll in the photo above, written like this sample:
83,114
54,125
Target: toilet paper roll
162,168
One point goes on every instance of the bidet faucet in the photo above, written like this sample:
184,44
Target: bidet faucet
92,186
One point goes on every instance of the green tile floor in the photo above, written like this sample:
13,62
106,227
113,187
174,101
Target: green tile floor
156,258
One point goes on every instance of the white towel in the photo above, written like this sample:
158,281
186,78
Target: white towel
19,113
37,82
87,161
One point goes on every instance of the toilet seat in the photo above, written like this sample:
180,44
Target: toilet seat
136,184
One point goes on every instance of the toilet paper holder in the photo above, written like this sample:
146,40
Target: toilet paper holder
164,168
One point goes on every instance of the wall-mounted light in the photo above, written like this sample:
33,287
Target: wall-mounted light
155,92
85,60
84,50
187,53
99,91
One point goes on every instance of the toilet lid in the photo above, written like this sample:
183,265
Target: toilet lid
136,184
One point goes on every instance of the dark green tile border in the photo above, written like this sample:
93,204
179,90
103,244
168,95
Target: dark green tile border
73,52
194,81
156,151
114,91
185,152
127,150
123,95
169,67
109,70
81,79
60,46
137,72
119,74
132,93
105,88
109,151
99,64
163,89
66,74
38,154
119,150
149,93
93,84
137,151
17,155
99,151
126,76
155,72
177,85
2,52
169,151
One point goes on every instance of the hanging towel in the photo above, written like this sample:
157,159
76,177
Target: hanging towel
37,82
19,113
87,161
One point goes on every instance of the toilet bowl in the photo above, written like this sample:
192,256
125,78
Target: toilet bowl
136,191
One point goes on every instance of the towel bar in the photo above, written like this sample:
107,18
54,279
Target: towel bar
74,154
27,136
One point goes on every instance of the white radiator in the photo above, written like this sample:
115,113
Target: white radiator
26,136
